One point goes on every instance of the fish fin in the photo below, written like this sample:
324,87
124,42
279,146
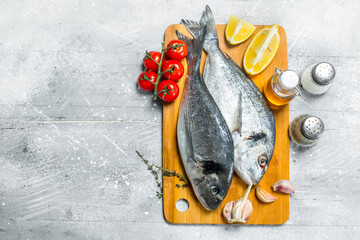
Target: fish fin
206,68
238,114
182,36
195,45
208,20
193,27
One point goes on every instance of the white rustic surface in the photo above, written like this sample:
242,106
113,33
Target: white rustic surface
71,118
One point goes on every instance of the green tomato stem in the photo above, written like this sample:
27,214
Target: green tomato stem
150,57
159,71
146,78
174,47
166,90
171,70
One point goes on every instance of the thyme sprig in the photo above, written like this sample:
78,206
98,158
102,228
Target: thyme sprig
166,173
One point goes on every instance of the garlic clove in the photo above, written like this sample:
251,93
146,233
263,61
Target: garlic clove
263,195
247,211
227,210
284,186
241,211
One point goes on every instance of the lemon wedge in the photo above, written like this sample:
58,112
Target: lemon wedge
238,30
261,50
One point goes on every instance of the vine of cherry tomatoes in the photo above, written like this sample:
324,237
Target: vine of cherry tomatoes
170,70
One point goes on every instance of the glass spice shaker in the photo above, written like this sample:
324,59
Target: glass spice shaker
282,87
306,130
317,78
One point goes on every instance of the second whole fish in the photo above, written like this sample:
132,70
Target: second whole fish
243,106
204,139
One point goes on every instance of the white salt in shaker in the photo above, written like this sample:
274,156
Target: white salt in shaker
317,78
306,130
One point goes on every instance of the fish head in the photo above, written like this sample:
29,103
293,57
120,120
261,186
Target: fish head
213,185
212,193
252,159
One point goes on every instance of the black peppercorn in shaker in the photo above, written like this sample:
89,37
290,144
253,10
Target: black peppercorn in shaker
306,130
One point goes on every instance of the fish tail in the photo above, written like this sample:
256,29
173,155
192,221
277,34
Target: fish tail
195,47
193,27
207,19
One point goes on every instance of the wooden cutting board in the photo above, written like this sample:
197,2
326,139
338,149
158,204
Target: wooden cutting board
273,213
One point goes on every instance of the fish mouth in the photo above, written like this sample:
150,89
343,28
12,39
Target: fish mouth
211,205
245,177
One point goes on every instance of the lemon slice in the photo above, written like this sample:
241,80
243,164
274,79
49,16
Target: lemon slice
238,30
261,50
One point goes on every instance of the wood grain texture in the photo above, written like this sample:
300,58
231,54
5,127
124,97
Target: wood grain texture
274,213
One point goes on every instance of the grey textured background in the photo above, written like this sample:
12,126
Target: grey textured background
71,118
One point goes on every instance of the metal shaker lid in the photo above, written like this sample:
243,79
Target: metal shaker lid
323,73
289,80
312,127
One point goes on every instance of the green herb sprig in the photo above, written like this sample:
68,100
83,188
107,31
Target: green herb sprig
166,173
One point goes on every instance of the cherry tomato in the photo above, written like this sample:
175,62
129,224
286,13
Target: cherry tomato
174,70
168,90
149,63
145,84
177,49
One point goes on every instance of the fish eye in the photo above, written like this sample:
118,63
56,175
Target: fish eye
214,190
262,160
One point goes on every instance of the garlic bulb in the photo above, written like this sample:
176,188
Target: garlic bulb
241,211
238,211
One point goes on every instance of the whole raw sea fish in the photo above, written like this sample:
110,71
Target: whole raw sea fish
243,106
204,139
